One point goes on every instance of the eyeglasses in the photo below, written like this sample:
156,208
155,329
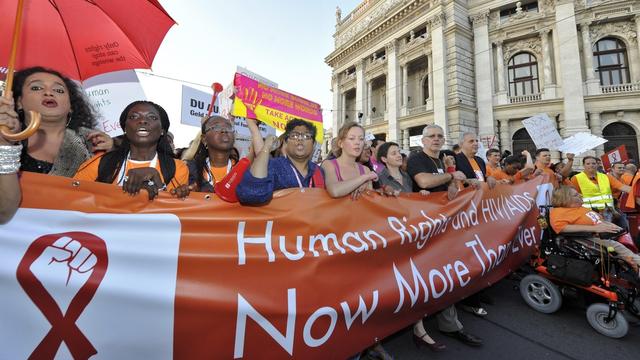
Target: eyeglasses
220,129
432,136
300,136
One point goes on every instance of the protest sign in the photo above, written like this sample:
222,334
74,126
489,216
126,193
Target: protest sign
613,156
415,140
226,96
543,131
181,279
195,105
109,94
580,143
273,106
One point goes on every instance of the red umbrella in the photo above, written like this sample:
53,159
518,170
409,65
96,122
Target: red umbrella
81,38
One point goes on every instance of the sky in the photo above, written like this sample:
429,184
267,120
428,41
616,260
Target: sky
285,41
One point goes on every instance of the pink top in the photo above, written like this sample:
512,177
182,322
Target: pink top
337,168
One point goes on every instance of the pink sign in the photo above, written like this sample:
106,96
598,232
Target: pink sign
273,106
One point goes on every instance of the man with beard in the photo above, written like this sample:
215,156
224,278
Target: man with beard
296,170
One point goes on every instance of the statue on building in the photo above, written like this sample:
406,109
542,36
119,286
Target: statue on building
338,15
519,8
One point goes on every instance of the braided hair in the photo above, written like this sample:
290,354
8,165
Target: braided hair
111,162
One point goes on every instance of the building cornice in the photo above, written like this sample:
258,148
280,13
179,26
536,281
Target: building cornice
375,29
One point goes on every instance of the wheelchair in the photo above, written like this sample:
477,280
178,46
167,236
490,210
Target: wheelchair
569,266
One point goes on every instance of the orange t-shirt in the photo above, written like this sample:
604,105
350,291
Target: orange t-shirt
492,170
218,173
499,174
552,176
89,171
561,217
627,178
616,185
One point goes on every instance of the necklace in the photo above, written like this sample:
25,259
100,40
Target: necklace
436,163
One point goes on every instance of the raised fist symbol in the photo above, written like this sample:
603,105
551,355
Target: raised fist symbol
61,273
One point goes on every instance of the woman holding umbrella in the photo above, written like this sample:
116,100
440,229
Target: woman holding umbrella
144,160
65,138
9,163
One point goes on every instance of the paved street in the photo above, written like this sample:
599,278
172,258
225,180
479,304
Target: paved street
512,330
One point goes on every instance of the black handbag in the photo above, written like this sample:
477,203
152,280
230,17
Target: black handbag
575,271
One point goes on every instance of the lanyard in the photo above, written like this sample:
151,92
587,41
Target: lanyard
123,168
295,172
210,174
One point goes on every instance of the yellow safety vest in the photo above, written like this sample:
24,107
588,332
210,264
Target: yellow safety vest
595,196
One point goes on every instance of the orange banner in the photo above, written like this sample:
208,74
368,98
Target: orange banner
304,276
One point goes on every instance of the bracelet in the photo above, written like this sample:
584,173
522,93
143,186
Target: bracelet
450,174
10,159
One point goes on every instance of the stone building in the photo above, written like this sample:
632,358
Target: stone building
485,65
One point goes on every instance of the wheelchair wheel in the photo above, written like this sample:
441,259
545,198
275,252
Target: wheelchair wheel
614,328
540,293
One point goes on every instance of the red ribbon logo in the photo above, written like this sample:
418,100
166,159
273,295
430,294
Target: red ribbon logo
82,252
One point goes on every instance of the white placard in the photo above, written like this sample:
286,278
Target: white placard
543,131
109,94
195,105
415,140
580,143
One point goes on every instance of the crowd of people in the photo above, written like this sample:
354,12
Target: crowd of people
143,158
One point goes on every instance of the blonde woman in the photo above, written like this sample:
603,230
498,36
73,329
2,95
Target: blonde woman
344,175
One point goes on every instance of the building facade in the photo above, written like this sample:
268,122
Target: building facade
485,65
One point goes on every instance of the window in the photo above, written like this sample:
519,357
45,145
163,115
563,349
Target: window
523,75
610,61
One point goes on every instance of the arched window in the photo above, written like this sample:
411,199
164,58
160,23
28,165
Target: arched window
610,61
618,134
522,141
523,75
425,89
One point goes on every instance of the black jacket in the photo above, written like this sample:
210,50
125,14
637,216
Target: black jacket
462,164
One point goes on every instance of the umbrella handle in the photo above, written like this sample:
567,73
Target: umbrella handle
30,130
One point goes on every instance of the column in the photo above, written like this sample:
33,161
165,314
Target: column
430,75
546,57
596,129
369,101
636,19
343,110
569,58
393,75
439,55
405,139
593,84
405,86
484,87
360,95
500,67
337,107
505,135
